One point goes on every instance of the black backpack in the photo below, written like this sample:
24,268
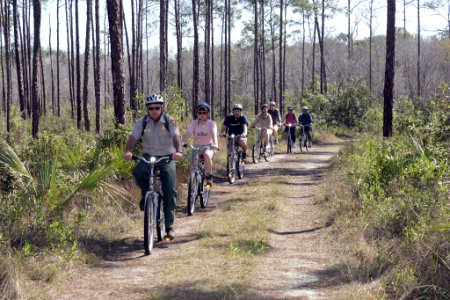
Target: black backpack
144,123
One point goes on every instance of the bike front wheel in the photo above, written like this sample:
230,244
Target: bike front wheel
231,175
239,168
192,193
255,153
204,194
160,222
149,223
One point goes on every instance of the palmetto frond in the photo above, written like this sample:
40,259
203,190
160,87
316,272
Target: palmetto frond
9,157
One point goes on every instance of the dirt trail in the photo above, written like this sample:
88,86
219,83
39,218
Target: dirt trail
295,267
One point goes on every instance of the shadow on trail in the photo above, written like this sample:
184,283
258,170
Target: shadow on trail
298,231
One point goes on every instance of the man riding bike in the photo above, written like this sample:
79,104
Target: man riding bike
160,137
264,121
204,132
306,120
237,124
276,120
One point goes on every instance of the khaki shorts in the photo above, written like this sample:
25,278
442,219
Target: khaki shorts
237,142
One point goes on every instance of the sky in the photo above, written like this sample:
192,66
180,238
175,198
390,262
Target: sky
430,22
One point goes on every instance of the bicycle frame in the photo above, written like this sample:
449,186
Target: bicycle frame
196,178
290,143
234,159
153,214
258,149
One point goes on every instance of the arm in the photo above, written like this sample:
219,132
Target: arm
215,142
244,133
178,146
129,146
188,134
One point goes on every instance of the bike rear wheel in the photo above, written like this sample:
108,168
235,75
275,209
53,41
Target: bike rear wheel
149,224
231,175
160,222
204,194
192,193
256,156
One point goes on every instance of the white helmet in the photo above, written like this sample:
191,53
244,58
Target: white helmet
154,99
305,107
237,106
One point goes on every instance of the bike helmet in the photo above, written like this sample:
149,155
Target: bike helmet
272,103
264,105
290,108
305,107
203,106
237,106
154,99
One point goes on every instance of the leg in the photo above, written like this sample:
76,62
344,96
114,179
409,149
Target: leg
168,179
208,156
141,173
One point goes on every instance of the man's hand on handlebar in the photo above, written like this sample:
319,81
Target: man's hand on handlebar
127,155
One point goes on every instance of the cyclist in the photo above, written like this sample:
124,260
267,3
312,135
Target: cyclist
306,120
290,118
237,123
204,132
264,121
276,120
160,137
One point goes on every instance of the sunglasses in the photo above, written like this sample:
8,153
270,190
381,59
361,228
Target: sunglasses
202,112
154,108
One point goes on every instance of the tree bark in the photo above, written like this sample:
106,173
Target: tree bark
389,72
87,124
35,81
23,111
8,66
58,90
78,72
163,45
115,33
195,66
97,79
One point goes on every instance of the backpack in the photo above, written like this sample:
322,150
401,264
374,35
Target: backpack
144,123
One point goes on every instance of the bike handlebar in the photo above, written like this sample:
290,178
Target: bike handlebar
153,159
199,148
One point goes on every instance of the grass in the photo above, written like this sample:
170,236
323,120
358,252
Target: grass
220,263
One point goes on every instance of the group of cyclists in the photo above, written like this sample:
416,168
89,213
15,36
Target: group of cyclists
161,136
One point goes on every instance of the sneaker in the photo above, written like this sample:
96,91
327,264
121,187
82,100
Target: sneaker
275,142
141,204
209,181
293,145
170,234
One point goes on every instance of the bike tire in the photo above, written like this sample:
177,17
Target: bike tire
149,224
192,194
301,144
239,168
256,156
160,222
231,176
204,194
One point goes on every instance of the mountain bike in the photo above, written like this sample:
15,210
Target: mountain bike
259,148
305,139
235,167
290,143
197,186
153,206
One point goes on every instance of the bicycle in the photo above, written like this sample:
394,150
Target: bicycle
197,179
305,139
153,207
234,160
290,144
259,148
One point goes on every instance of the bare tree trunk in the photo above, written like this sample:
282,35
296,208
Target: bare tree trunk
78,72
349,33
97,79
263,55
8,65
58,104
228,86
51,68
207,52
1,62
212,60
70,56
419,92
303,52
389,72
195,79
281,91
87,124
323,73
274,70
44,96
221,64
179,34
115,33
18,61
163,45
370,44
36,52
256,60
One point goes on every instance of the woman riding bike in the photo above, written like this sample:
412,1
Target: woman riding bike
204,132
290,118
264,121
